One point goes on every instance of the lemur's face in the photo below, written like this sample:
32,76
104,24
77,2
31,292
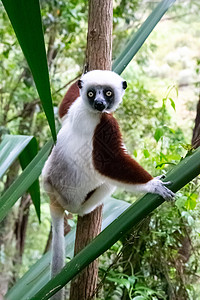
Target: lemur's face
100,97
102,91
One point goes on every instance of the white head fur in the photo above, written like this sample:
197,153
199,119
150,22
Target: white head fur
101,78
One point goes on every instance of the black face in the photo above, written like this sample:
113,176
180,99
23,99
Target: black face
101,97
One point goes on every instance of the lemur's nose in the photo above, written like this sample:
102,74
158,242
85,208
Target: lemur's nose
100,105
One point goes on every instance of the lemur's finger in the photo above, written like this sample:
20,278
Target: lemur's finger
166,182
161,176
168,194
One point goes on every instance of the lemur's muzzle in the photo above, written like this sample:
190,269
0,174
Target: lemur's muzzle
99,105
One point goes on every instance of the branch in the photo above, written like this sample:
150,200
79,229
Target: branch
188,84
21,114
37,101
68,83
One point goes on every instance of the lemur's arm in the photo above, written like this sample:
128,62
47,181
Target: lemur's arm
112,161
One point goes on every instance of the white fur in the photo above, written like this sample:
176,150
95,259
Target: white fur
74,144
101,78
96,199
74,148
153,186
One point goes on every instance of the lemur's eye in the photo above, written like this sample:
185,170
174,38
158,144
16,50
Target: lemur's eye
90,94
108,93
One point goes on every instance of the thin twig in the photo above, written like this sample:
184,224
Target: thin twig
68,83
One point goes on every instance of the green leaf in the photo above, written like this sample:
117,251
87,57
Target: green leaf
172,103
119,65
146,153
10,148
25,158
109,238
191,202
39,273
140,36
132,279
135,153
158,134
165,163
187,147
25,18
122,281
24,181
26,148
187,169
30,38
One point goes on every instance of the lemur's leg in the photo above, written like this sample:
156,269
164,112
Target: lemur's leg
58,242
96,198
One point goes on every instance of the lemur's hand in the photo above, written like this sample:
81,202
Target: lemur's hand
156,186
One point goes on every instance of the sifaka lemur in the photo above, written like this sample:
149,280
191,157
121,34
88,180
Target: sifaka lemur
89,159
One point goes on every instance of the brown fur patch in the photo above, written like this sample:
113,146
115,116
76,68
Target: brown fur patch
71,95
109,156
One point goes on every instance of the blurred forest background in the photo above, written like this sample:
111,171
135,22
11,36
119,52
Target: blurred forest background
160,258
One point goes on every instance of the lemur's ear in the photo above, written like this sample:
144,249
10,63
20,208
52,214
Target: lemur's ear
80,84
124,85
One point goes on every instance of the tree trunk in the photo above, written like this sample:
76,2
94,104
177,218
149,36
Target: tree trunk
99,39
7,241
21,226
84,285
98,56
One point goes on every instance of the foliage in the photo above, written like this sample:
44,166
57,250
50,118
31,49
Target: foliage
39,272
151,134
26,148
167,234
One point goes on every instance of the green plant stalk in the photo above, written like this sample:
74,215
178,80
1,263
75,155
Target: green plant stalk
10,148
140,36
183,173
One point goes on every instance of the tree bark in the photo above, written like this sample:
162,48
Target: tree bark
7,244
98,56
99,39
84,285
21,226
